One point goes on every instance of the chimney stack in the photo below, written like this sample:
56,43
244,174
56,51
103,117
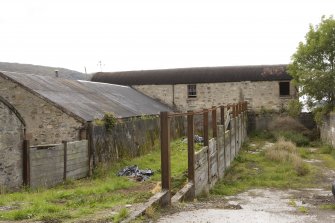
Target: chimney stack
56,73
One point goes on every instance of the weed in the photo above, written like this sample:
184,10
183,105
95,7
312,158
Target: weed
328,206
298,138
254,170
262,135
123,214
294,108
150,212
287,123
303,209
326,149
75,199
109,121
285,151
292,203
304,153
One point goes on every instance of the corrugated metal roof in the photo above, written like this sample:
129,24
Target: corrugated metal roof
195,75
90,100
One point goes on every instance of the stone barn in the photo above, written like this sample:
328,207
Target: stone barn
265,86
48,110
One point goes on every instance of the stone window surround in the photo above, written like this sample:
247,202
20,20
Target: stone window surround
191,91
287,93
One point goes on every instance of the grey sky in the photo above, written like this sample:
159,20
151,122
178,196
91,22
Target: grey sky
149,34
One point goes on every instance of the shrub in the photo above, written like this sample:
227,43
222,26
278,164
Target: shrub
266,135
285,151
287,123
298,138
326,149
294,108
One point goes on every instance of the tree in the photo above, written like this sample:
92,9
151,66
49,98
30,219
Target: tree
313,64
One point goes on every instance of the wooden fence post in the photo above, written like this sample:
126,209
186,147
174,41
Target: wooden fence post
165,156
65,159
214,126
26,163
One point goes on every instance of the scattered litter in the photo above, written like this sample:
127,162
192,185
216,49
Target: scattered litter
136,173
198,139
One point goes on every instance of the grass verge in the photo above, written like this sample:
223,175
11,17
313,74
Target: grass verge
252,169
104,190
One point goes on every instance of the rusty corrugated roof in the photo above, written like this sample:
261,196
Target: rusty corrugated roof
195,75
89,100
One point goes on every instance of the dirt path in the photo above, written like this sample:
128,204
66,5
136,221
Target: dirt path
263,205
259,205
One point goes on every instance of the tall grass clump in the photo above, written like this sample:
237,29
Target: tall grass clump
286,152
298,138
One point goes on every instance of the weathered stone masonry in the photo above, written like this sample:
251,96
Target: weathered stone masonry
11,138
47,123
259,94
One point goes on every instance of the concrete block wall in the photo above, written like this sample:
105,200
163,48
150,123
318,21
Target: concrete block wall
212,160
327,129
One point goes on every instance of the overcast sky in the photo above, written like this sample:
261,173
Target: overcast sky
151,34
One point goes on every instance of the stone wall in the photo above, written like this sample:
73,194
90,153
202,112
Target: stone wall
131,138
47,123
259,95
11,143
327,129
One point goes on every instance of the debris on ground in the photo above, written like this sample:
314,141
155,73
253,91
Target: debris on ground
136,173
197,139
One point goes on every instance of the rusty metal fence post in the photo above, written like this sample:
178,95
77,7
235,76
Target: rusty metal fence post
214,122
165,156
205,126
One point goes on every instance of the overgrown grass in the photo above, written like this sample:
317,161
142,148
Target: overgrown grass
286,152
296,137
123,214
256,170
104,190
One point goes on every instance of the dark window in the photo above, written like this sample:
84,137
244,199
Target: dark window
284,88
192,91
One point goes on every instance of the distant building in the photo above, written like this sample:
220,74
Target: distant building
265,86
